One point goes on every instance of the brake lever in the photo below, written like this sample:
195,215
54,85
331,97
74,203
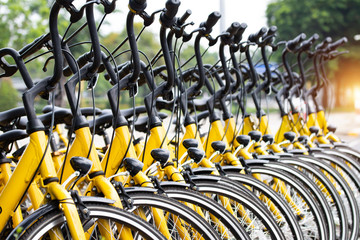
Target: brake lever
149,19
213,41
76,15
109,7
187,37
9,70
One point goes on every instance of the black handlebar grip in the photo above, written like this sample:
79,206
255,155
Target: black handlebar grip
172,7
140,1
271,31
305,45
211,21
292,44
314,37
324,43
240,32
254,37
233,29
337,44
137,5
184,17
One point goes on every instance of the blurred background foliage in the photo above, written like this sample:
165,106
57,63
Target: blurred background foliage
328,18
21,21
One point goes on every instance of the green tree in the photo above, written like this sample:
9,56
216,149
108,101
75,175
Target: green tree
21,21
333,18
9,96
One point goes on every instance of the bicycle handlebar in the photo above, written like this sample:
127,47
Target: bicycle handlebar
184,17
240,32
292,44
271,31
254,37
33,47
137,5
12,69
268,37
167,17
324,43
232,30
338,43
213,18
305,45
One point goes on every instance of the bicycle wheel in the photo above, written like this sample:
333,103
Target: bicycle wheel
346,193
215,214
329,191
299,198
181,221
53,225
248,209
275,204
315,193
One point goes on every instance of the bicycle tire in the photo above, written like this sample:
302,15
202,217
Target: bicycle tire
210,206
348,193
259,188
315,192
144,200
251,204
309,205
327,186
41,228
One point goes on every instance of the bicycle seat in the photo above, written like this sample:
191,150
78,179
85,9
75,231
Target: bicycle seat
61,115
161,155
199,104
133,165
102,121
11,136
219,146
86,111
290,136
163,104
268,138
243,140
89,111
196,154
190,143
198,116
8,116
128,113
255,135
201,116
141,122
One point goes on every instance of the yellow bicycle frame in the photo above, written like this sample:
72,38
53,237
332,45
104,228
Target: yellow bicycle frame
21,177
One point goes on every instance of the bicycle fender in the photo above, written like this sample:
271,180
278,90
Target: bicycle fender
202,170
140,189
49,207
